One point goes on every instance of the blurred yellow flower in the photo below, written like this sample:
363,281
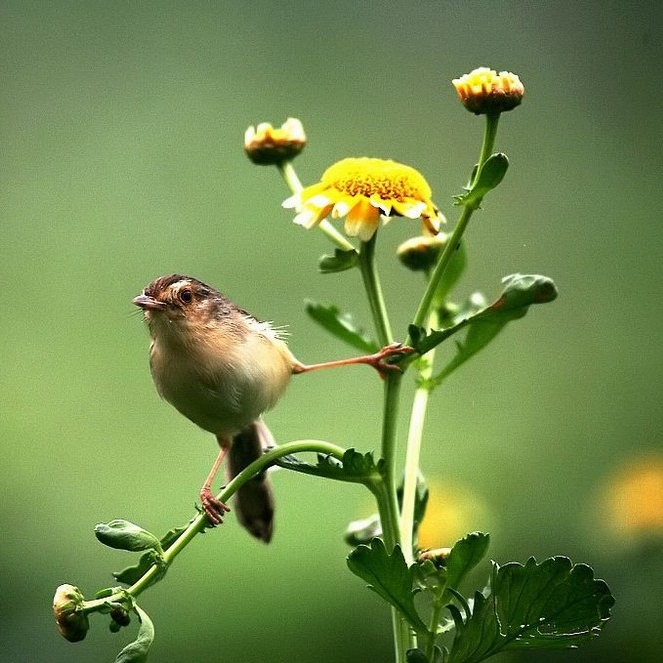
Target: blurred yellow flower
635,497
452,511
267,146
484,91
362,190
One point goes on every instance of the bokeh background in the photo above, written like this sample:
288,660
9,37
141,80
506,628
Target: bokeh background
121,160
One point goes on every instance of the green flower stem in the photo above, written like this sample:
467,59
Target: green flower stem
385,491
200,522
293,182
290,176
490,133
489,136
369,274
387,501
438,605
413,448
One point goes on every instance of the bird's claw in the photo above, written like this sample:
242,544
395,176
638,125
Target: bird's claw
213,508
379,360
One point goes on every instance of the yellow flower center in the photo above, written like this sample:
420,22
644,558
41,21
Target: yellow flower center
368,177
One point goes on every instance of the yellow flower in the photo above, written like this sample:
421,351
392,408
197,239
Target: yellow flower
484,91
363,189
634,497
452,511
267,146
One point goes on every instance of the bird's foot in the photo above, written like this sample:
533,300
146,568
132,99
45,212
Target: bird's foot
213,508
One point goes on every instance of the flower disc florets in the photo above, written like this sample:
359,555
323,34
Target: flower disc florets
362,190
484,91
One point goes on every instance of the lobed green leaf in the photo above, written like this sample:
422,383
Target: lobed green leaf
548,605
388,576
341,325
339,262
485,322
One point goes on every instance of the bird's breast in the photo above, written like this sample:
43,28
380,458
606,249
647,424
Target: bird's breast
222,384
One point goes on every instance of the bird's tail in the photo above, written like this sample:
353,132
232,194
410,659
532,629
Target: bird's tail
254,501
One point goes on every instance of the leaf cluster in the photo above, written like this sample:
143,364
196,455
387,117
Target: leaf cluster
551,604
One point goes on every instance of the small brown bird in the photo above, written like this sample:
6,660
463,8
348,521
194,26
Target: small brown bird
222,368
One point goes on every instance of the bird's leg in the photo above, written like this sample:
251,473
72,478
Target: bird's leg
378,360
214,508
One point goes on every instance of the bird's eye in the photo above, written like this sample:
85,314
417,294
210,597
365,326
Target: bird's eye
185,295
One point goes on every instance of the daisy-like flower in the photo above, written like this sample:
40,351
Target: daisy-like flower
267,146
484,91
362,190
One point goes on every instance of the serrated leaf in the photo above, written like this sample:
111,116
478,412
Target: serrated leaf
464,556
553,604
124,535
356,466
136,651
388,576
341,325
339,262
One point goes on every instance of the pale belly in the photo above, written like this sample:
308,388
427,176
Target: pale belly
225,395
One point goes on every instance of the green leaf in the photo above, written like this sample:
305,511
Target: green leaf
452,274
521,291
339,262
484,323
136,651
341,325
123,535
356,467
464,556
132,574
442,570
553,604
490,176
388,576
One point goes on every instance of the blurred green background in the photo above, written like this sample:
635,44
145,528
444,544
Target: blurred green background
121,159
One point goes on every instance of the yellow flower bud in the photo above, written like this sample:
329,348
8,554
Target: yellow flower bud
484,91
267,146
438,556
421,253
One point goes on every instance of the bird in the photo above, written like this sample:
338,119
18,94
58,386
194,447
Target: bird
222,368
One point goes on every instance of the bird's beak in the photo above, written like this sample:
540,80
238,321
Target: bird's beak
148,303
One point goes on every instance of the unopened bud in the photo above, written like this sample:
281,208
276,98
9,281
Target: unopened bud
438,556
72,622
267,146
421,253
484,91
